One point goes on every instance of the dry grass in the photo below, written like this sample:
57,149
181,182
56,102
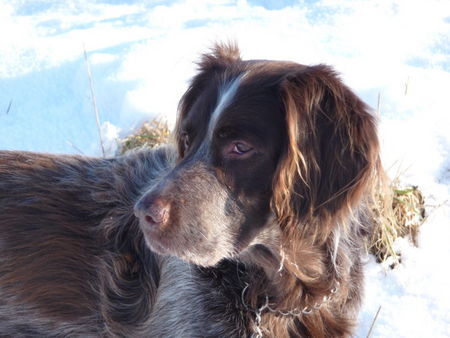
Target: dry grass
150,134
399,211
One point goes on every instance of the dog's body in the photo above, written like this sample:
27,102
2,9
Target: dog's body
256,228
73,261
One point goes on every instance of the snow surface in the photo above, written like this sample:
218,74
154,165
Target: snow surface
141,55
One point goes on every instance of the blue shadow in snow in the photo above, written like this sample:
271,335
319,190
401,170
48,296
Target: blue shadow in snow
48,109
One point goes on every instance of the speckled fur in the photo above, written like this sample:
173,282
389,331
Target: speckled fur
73,261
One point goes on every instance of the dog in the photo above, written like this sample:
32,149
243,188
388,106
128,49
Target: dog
253,226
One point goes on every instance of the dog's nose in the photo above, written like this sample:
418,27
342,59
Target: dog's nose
152,211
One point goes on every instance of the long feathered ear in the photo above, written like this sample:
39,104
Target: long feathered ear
331,152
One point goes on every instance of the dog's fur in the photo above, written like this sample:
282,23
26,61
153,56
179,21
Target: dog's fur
255,226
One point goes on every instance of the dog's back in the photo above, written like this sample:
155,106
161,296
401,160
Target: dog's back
73,261
69,244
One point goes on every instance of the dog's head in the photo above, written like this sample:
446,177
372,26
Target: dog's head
258,140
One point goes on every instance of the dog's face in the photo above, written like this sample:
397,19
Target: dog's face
234,143
217,198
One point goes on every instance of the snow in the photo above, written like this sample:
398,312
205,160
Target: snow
141,56
413,297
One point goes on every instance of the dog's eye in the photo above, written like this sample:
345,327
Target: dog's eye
241,148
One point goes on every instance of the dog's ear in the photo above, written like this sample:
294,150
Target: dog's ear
331,148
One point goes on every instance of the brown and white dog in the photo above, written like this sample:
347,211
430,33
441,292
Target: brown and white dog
255,226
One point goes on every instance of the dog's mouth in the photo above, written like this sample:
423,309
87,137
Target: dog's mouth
204,253
201,229
156,243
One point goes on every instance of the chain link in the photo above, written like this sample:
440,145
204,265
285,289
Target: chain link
307,310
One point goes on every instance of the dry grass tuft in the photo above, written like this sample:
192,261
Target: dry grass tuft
399,211
150,134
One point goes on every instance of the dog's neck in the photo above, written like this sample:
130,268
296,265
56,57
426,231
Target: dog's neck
283,295
265,250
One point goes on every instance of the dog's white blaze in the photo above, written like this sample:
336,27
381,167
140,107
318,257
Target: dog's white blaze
227,93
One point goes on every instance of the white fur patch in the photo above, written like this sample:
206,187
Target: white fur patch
226,95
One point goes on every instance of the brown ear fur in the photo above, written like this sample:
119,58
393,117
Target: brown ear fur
332,151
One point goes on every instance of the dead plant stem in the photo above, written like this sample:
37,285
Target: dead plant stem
94,101
373,322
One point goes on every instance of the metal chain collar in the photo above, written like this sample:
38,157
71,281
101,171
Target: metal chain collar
294,312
